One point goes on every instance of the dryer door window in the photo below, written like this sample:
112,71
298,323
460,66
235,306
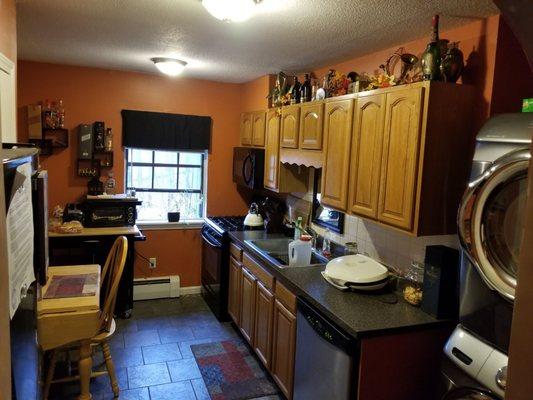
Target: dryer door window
490,220
469,394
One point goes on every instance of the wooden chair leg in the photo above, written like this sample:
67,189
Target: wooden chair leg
110,368
50,373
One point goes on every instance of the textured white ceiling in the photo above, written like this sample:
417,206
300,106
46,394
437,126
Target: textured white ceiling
289,35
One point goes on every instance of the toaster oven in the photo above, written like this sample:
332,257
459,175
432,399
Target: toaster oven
110,212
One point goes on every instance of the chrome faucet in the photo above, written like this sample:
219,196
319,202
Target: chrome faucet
313,234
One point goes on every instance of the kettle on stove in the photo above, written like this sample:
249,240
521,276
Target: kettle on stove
253,218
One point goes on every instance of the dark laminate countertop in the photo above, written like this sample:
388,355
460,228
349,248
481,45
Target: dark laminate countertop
359,314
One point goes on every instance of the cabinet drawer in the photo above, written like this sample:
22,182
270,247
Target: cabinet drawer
235,251
285,296
258,271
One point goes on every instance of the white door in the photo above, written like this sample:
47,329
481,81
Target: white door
490,220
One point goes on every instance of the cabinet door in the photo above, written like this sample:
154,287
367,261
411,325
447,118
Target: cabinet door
367,141
246,129
271,177
311,125
399,164
283,348
258,129
264,311
290,123
337,140
234,294
248,288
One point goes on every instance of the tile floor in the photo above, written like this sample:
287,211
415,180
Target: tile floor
152,355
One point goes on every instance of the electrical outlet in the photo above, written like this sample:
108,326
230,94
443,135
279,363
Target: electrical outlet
153,262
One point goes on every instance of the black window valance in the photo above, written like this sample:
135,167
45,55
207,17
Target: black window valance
162,131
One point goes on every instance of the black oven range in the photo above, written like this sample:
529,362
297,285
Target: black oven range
215,261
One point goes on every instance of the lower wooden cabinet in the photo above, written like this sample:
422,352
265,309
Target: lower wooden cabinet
234,294
283,348
247,317
264,311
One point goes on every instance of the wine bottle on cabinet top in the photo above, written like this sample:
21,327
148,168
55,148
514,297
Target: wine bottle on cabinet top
431,57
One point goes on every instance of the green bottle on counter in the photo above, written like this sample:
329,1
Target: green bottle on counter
431,58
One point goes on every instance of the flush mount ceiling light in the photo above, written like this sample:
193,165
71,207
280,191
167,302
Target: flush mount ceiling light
169,66
231,10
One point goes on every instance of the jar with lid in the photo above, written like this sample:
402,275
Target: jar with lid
414,278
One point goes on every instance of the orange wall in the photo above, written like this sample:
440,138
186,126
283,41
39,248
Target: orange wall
92,94
8,29
254,93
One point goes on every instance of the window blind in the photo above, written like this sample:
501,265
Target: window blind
163,131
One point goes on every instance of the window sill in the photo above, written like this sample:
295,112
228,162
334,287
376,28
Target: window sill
165,225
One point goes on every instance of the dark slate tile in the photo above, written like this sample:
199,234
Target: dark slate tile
176,334
214,331
161,353
135,394
185,369
129,357
185,347
173,391
153,323
148,375
141,338
116,341
126,325
200,390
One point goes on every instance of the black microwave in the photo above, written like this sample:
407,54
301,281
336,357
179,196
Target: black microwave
110,212
248,167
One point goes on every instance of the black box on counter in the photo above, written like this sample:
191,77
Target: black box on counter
441,282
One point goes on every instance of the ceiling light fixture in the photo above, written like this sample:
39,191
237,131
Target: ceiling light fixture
169,66
231,10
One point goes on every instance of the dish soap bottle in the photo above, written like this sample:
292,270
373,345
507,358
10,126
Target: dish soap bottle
326,244
298,228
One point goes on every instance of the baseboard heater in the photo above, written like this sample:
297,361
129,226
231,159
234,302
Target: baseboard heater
160,288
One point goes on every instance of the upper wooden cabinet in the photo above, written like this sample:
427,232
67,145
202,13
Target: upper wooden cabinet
367,142
246,129
409,157
253,129
399,164
338,118
290,126
311,125
258,129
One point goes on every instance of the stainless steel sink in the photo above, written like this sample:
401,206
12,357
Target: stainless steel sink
277,251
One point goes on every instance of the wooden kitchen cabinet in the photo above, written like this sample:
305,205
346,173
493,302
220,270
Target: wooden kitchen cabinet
399,164
264,312
283,348
234,293
338,116
258,129
247,310
311,125
290,125
246,129
367,143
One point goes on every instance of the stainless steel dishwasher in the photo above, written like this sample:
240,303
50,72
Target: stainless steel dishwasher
325,365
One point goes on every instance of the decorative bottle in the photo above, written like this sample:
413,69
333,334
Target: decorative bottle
60,114
295,94
108,140
432,55
306,91
452,65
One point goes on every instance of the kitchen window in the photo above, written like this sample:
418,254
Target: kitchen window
167,181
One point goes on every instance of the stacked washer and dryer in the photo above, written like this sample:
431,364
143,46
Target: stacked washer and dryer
490,230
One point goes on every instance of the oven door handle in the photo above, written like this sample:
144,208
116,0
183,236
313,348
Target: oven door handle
210,240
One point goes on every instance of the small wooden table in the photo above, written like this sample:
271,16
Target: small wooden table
66,320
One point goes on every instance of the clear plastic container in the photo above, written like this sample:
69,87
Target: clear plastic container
414,278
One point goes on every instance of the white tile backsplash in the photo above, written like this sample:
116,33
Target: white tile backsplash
388,246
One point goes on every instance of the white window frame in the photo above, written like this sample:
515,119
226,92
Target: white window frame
182,224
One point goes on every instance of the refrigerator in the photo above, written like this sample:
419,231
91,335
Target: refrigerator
26,201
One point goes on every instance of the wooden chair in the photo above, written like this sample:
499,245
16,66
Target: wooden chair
109,281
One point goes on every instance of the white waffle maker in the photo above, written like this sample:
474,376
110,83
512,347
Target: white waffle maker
356,272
